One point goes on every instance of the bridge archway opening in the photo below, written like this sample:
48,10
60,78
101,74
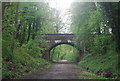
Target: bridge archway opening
60,51
71,44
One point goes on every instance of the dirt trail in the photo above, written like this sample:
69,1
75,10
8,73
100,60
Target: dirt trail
61,70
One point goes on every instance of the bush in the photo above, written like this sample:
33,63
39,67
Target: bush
101,44
103,58
23,60
6,51
101,64
22,63
33,49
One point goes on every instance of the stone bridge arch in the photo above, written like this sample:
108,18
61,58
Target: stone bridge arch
54,40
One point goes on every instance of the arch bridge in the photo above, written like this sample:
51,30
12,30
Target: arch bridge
56,39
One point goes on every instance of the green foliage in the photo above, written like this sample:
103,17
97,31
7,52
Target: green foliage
64,52
101,44
7,74
101,64
21,53
103,59
92,22
72,56
89,75
22,26
6,52
33,49
22,63
24,22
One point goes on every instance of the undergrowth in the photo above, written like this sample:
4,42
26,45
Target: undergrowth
22,61
89,75
105,65
102,58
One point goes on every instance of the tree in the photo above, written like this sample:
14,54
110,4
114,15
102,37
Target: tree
92,22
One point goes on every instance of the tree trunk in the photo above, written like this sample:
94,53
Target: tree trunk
33,30
23,37
3,10
16,23
17,14
29,32
17,31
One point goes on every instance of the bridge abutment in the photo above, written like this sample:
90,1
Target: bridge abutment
46,55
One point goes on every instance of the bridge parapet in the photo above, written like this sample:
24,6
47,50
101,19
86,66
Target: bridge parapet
57,36
53,39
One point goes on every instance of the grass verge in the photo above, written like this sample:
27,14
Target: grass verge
105,65
22,64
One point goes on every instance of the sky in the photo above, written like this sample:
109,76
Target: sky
63,7
60,4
